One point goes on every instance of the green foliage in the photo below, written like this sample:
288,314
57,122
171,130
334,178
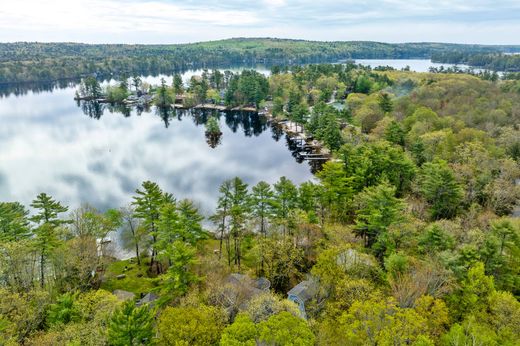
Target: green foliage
379,210
242,332
131,325
372,163
179,276
163,97
63,311
285,329
475,290
14,222
441,190
385,103
201,325
213,126
250,87
337,189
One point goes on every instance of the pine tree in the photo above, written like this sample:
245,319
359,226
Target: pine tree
385,103
238,216
14,223
148,203
46,234
131,326
285,200
441,190
379,209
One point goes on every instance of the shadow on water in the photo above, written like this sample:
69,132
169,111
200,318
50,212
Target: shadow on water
249,123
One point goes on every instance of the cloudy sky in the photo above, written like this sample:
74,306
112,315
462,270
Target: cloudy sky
175,21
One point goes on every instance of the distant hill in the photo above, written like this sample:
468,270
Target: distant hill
33,61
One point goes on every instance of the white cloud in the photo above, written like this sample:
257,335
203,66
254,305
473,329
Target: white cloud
170,21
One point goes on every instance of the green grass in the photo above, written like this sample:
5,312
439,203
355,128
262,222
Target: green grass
136,280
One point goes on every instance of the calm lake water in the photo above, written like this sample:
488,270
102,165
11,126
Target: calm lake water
48,144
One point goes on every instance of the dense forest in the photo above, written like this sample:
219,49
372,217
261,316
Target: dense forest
490,61
29,62
409,235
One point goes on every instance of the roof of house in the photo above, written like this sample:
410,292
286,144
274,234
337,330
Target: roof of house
305,290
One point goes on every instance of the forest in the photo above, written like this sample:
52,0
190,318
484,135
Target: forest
490,61
408,235
31,62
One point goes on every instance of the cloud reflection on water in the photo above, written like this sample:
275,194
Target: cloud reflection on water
48,144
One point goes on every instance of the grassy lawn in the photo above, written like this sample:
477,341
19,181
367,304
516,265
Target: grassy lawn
136,280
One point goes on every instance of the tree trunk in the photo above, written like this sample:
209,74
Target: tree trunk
222,228
42,269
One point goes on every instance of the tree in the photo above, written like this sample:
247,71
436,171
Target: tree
261,208
222,214
282,261
500,253
200,325
191,230
474,292
242,332
163,98
285,200
14,222
379,209
131,325
179,277
46,233
178,85
148,203
285,329
337,189
395,134
133,233
261,204
63,311
238,216
137,82
90,88
385,103
441,190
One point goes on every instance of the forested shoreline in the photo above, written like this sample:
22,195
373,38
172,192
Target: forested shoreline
490,61
32,62
408,235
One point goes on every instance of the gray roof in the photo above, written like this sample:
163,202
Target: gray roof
305,290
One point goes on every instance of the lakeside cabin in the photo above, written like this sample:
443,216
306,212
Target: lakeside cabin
303,293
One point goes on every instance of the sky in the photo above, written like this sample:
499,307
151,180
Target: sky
173,21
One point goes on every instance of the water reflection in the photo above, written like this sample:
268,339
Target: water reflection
250,123
99,153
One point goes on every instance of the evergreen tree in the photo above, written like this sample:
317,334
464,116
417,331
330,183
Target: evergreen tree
385,103
147,204
222,214
131,326
441,190
261,204
285,200
14,222
239,212
379,209
46,232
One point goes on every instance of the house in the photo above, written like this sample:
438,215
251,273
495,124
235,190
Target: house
239,289
303,293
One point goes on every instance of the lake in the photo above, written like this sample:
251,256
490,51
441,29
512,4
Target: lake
49,144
